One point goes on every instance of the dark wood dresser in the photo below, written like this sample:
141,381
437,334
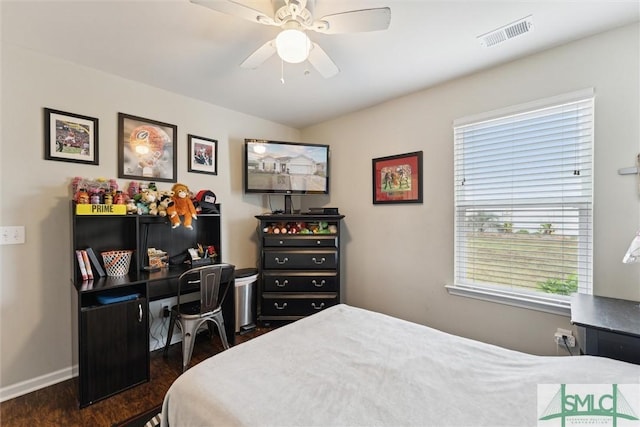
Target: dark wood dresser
299,265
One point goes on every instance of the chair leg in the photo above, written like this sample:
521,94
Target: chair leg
189,329
219,321
172,321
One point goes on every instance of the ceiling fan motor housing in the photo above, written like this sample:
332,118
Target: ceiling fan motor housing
293,10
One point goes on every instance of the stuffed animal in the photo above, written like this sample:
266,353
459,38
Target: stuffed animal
153,208
172,213
132,208
165,203
142,208
148,202
183,206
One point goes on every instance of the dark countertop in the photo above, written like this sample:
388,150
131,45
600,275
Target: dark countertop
609,314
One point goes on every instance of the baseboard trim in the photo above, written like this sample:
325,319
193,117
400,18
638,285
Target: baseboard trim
37,383
33,384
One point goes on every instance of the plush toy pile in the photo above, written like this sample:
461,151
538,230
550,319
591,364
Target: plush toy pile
140,199
321,227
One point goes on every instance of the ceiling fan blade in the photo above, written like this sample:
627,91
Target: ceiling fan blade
258,57
356,21
239,10
321,62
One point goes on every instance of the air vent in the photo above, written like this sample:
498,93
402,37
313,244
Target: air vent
507,32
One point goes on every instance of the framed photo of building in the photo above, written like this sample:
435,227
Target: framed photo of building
398,179
203,155
146,149
70,137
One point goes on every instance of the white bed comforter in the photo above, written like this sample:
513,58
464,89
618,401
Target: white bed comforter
346,366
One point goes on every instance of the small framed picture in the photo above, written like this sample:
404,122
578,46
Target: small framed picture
203,155
70,137
146,149
398,179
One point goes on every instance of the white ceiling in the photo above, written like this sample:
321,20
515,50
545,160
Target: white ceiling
189,49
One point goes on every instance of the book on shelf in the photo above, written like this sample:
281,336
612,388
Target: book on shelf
97,268
83,269
87,264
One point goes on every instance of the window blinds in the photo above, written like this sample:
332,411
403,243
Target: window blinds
523,196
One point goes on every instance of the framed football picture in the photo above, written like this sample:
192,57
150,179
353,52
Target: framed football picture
70,137
146,149
203,155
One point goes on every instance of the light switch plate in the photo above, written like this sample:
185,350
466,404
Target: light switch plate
12,235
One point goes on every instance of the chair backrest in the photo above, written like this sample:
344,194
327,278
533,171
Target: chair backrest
208,279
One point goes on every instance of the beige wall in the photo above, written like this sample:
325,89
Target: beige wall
37,328
399,257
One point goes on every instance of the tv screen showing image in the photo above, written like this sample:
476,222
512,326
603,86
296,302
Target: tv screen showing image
286,167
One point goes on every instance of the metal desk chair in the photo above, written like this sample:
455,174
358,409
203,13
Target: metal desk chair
189,316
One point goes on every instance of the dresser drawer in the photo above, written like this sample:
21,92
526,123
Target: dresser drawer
317,281
283,259
307,241
296,305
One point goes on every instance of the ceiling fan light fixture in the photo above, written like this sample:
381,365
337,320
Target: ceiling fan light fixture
293,46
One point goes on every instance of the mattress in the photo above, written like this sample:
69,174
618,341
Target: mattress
347,366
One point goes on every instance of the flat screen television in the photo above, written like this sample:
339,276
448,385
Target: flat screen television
277,167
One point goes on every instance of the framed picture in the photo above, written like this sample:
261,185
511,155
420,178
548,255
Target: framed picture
146,149
70,137
398,179
203,155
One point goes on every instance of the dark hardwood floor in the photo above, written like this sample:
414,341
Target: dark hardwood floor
57,405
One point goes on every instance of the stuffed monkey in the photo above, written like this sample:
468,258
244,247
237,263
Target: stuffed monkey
183,206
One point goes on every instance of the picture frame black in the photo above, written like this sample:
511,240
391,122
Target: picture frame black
70,137
147,149
202,155
398,178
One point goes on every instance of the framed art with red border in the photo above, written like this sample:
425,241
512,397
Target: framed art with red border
397,179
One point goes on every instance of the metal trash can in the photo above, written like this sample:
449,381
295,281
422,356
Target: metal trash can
245,279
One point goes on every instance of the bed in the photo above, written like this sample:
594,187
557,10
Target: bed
347,366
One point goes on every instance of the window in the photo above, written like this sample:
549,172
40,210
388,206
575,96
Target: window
523,203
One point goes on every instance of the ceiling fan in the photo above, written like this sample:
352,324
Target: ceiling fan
295,17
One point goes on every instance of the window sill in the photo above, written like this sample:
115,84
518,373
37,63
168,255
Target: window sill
560,305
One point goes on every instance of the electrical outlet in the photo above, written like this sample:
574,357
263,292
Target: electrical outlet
559,338
165,311
12,235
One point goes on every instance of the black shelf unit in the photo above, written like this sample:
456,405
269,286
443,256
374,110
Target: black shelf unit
113,338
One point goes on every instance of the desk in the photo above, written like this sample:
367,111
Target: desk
607,327
113,339
159,285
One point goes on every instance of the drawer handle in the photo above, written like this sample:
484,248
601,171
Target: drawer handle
318,242
284,305
281,285
317,307
318,285
321,261
281,242
283,261
139,313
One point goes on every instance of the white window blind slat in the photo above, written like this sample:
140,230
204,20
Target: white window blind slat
523,195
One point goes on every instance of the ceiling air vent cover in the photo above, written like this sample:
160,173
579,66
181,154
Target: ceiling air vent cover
506,32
